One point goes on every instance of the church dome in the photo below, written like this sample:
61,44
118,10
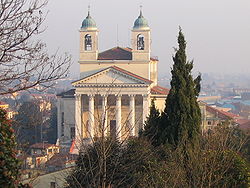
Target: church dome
141,22
88,23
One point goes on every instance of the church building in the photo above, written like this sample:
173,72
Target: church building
115,88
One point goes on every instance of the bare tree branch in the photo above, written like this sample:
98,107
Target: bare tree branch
24,60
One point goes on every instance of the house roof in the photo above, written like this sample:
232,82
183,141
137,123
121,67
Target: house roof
67,94
118,53
220,113
159,90
60,159
42,145
244,124
41,95
3,103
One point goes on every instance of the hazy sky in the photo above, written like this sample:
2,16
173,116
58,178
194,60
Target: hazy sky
217,31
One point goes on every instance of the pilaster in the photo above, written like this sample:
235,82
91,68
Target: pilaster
104,128
118,117
78,120
145,107
91,117
132,115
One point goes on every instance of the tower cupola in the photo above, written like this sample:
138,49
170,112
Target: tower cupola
88,23
141,23
88,39
141,39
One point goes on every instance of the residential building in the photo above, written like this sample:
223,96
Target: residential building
41,153
212,117
55,179
5,107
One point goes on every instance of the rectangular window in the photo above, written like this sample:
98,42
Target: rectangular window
113,129
72,132
52,184
62,133
55,151
62,117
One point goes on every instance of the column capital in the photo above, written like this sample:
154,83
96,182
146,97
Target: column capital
145,96
118,96
77,95
91,95
131,95
104,95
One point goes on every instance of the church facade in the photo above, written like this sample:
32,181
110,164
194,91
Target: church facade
112,96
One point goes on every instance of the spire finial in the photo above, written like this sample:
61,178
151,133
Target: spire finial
140,11
88,10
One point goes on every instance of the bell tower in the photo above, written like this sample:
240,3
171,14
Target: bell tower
141,39
88,40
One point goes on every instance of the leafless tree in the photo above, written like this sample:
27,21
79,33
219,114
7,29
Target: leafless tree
24,59
99,159
216,162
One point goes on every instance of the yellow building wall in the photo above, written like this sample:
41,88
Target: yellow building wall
153,72
160,103
141,55
92,54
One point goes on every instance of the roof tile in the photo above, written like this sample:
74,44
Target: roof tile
116,53
131,74
221,113
159,90
119,53
42,145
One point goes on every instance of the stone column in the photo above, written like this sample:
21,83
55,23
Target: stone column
78,120
145,109
118,116
91,125
132,115
104,115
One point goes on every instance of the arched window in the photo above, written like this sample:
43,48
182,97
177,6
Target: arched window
140,42
88,42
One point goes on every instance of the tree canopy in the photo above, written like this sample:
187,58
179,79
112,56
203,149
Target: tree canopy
152,125
9,165
28,123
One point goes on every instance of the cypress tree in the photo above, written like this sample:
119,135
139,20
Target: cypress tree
181,119
151,128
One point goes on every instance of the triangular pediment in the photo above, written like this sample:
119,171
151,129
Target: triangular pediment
112,75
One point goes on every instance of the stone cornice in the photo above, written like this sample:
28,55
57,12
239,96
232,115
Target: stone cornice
110,85
114,61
